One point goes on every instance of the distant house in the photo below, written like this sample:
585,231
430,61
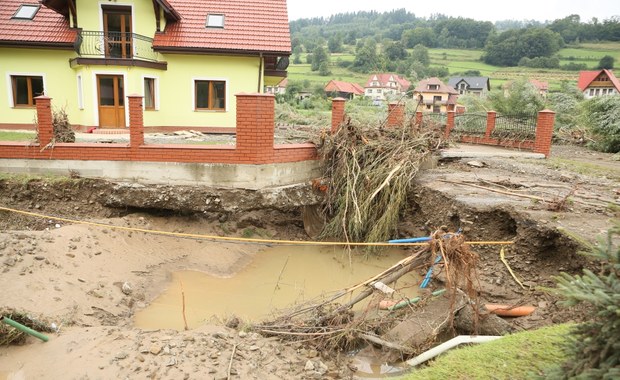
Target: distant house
598,83
435,96
341,89
383,86
279,88
479,86
542,87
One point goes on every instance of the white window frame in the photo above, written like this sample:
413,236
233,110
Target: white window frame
193,89
80,92
155,89
222,15
34,14
23,74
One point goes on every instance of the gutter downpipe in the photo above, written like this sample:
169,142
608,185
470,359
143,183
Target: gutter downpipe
448,345
260,71
23,328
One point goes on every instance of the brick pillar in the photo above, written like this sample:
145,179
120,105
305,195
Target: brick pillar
45,129
544,132
419,117
337,113
396,114
136,121
491,116
255,127
449,124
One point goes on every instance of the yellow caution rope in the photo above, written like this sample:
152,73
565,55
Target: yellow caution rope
234,239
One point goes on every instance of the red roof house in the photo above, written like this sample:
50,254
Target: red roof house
381,86
341,89
598,83
184,56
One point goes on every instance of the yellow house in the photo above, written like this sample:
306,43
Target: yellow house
435,96
187,58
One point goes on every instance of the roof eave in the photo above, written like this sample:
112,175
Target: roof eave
200,50
169,9
37,44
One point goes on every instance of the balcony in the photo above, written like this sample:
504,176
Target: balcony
115,48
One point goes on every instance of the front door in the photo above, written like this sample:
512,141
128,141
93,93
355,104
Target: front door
111,97
117,30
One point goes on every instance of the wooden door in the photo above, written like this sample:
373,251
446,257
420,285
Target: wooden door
118,33
111,99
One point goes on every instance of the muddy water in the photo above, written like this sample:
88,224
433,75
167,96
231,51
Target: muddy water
277,278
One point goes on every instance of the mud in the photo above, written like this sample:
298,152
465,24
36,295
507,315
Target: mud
91,281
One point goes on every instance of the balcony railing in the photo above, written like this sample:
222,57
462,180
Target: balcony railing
117,45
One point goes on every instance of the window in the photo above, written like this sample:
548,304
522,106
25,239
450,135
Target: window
25,89
433,87
215,21
210,95
26,12
149,93
436,99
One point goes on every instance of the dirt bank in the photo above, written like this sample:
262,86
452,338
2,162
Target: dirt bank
89,280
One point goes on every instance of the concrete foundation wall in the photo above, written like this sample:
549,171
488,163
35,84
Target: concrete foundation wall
237,176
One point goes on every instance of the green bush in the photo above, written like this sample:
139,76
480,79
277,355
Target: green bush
596,347
602,116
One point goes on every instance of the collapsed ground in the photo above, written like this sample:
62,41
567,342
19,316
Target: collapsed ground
73,274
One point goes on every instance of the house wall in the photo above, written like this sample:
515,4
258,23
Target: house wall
143,15
428,97
58,80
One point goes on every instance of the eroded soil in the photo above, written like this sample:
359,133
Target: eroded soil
73,274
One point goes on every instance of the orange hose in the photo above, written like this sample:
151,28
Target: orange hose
509,311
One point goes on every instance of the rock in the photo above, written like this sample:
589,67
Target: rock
140,358
242,334
253,348
10,261
39,257
476,164
309,366
155,348
322,368
71,255
126,288
121,355
171,362
488,324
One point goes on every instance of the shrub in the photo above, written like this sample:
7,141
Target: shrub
596,347
602,116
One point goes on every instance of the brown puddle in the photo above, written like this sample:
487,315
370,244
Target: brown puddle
277,278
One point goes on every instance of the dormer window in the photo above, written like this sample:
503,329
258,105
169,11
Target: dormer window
26,12
215,21
433,87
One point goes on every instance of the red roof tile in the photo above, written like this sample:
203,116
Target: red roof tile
46,28
249,25
384,78
541,86
587,77
339,86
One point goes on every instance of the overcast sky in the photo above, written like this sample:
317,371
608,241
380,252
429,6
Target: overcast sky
540,10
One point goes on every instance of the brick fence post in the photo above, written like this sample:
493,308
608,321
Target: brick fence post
255,127
136,121
419,118
45,129
337,113
491,117
396,114
544,132
449,124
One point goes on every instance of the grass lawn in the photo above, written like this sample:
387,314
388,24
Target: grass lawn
519,356
16,136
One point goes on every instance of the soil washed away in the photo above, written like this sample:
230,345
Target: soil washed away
277,278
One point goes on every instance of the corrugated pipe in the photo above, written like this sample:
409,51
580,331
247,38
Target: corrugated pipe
461,339
23,328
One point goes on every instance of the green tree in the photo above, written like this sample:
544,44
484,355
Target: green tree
319,55
520,97
511,46
607,62
366,59
324,69
419,35
420,54
394,51
334,44
595,344
602,115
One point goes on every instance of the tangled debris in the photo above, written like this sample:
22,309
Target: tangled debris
330,325
369,173
10,335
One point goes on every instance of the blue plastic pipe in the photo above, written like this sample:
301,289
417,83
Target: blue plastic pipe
429,274
410,240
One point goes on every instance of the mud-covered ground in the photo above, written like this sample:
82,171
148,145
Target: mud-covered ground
89,280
